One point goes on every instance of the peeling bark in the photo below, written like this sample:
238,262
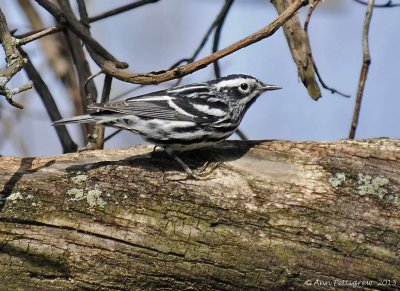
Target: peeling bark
274,215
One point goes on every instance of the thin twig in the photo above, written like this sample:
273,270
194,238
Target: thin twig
57,28
121,9
40,34
217,35
313,5
219,19
323,84
89,82
241,134
113,135
364,69
388,4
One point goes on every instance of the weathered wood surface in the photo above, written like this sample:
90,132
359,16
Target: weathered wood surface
275,215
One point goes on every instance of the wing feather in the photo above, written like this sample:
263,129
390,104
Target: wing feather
172,104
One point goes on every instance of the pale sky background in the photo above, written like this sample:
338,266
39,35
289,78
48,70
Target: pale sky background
155,36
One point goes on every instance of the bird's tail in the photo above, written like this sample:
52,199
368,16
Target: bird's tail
77,119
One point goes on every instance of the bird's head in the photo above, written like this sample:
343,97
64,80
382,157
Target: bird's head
242,88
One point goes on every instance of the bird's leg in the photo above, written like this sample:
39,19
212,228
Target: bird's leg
201,173
189,171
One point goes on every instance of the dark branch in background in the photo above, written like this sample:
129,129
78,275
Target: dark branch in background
388,4
219,23
82,69
121,9
364,69
15,62
313,5
217,35
56,52
43,91
113,135
218,20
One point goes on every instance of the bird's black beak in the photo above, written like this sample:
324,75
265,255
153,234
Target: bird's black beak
266,87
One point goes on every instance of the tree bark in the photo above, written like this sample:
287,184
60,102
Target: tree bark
274,215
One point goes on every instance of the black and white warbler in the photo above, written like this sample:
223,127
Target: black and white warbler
182,118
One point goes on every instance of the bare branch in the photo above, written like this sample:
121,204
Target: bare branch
364,69
15,62
38,35
162,76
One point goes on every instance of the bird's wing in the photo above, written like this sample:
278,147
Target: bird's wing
154,105
179,103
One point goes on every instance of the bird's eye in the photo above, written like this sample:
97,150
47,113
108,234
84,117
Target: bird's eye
244,86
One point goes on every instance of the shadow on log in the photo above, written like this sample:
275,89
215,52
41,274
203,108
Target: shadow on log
275,215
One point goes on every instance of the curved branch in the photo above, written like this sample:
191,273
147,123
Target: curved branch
162,76
113,68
